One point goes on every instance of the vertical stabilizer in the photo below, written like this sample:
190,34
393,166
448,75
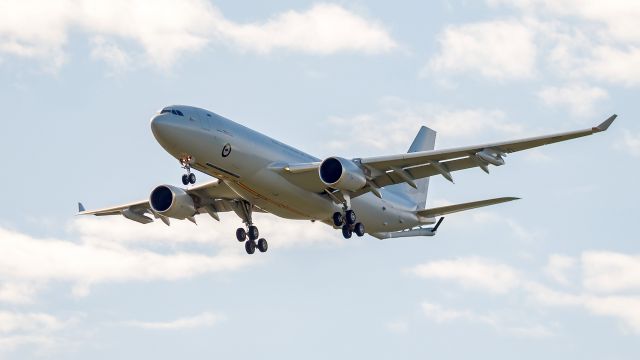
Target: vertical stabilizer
425,140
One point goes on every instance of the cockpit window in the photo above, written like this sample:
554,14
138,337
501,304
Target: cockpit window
173,111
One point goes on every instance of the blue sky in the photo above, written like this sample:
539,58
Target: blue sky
556,274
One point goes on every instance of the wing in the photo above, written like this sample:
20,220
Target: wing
404,168
450,209
211,198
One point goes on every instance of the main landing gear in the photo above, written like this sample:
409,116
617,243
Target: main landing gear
189,177
251,234
348,223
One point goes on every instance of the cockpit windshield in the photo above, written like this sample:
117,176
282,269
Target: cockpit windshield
172,111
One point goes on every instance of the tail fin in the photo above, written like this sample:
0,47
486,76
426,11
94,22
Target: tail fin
425,140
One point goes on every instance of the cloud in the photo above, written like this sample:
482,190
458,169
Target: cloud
398,121
40,29
110,53
501,50
471,272
30,329
323,29
441,314
610,285
630,143
580,99
558,266
206,319
112,249
610,272
586,39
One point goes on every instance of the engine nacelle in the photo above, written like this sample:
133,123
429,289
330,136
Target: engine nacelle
342,174
172,202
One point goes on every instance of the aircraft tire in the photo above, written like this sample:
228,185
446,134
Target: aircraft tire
241,234
350,216
253,233
250,247
263,245
185,179
192,178
338,219
346,231
359,229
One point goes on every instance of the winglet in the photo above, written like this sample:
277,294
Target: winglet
605,125
81,208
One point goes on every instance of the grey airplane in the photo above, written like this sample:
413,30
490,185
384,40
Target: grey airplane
384,196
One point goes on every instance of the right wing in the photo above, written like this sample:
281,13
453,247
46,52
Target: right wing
211,197
388,170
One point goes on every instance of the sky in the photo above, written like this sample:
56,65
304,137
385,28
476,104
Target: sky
554,275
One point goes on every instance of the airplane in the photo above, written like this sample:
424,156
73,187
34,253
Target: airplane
384,196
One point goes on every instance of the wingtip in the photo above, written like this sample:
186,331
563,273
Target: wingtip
605,124
81,208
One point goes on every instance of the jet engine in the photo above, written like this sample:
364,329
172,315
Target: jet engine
172,202
342,174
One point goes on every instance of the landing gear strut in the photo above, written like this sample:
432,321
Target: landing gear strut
251,234
189,177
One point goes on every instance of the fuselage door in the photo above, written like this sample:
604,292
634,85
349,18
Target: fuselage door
205,121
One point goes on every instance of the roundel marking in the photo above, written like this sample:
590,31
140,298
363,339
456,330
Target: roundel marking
226,150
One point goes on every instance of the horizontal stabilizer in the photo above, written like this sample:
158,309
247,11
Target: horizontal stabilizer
444,210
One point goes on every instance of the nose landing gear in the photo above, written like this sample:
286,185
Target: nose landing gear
189,177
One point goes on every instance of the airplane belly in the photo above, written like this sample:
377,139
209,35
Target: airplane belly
270,192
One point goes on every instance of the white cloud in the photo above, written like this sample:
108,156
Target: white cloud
33,330
117,250
17,293
630,143
610,272
580,99
615,274
500,50
206,319
398,122
471,272
167,30
441,314
593,39
323,29
110,53
558,266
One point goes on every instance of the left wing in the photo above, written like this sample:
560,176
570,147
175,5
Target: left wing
404,168
212,197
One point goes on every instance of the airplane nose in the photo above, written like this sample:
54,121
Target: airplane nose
159,125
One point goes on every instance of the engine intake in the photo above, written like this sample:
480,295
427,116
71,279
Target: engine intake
172,202
342,174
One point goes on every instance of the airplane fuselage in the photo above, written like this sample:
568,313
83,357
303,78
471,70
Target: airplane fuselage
245,160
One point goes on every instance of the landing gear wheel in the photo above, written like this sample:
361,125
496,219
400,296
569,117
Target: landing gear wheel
253,233
350,216
185,179
263,245
346,232
192,178
241,234
359,229
338,219
250,247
